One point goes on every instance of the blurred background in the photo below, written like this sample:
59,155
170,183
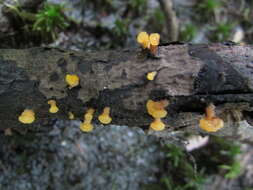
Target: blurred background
110,24
203,163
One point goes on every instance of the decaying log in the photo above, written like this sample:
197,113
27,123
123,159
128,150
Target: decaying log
189,76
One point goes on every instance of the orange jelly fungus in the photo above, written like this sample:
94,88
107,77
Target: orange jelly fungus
143,39
53,108
105,116
86,126
151,75
210,122
157,125
154,40
27,116
157,109
72,80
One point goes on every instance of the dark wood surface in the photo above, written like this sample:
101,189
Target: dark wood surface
189,76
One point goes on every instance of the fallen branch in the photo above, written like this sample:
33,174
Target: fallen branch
189,76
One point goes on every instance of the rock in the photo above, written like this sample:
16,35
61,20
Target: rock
111,157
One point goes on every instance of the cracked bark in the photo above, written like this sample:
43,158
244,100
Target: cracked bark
189,76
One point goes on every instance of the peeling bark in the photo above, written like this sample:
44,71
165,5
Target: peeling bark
189,76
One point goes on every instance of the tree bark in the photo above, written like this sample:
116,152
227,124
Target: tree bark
189,76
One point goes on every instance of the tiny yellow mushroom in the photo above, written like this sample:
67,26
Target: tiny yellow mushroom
105,116
89,114
156,109
157,125
86,126
154,40
151,75
71,115
210,122
72,80
53,108
27,116
143,39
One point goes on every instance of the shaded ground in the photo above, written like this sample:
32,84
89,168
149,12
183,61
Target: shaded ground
112,157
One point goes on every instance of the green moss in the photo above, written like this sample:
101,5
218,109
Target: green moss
206,9
221,32
49,20
188,32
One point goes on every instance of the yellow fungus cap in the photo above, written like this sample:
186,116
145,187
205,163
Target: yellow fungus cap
157,125
71,115
161,113
151,75
161,104
53,108
86,127
72,80
27,116
212,125
150,106
154,39
156,109
89,115
51,102
90,111
105,117
143,39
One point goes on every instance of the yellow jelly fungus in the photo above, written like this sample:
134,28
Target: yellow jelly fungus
89,114
53,108
72,80
157,125
27,116
151,75
156,109
161,113
154,40
105,117
71,115
143,39
210,122
86,127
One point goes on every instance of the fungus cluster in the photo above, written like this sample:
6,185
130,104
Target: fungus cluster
157,111
150,42
53,108
27,116
210,122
